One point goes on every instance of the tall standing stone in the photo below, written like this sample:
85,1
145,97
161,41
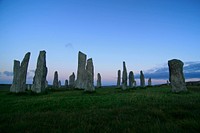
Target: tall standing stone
89,76
55,80
72,80
59,84
98,80
131,79
176,76
124,77
81,72
39,79
149,82
16,80
142,80
119,79
23,72
20,73
66,83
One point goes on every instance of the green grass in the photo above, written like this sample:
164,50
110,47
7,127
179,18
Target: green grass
154,109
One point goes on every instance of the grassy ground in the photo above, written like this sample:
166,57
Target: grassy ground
154,109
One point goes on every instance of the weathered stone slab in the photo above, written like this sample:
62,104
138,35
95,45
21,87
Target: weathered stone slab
119,79
90,76
149,82
134,83
168,83
16,79
66,83
23,72
98,80
131,79
72,80
19,74
124,77
142,79
28,87
176,76
55,80
39,79
81,72
59,84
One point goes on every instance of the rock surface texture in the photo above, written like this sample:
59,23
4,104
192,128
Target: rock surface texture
59,84
55,80
16,81
142,79
39,80
124,77
20,73
66,83
72,80
176,76
98,80
131,79
89,76
81,72
149,82
119,79
23,72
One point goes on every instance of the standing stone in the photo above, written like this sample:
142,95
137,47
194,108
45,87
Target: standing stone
119,79
149,82
167,83
66,83
98,80
40,74
142,80
20,73
46,84
134,83
124,77
59,84
16,80
28,87
131,79
176,76
72,80
81,72
90,76
55,80
23,72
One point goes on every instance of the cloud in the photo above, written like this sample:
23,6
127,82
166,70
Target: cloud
69,45
191,70
7,73
192,67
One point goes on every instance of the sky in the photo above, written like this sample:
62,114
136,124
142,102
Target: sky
143,33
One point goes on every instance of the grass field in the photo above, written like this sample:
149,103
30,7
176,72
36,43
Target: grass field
154,109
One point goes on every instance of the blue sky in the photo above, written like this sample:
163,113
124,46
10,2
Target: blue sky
144,33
